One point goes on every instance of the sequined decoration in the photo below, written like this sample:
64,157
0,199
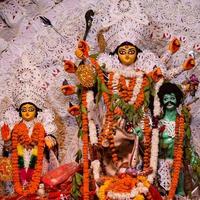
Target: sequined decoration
86,75
5,169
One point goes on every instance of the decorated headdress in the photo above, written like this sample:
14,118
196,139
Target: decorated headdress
123,20
27,85
125,31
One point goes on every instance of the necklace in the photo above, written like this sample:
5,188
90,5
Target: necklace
21,137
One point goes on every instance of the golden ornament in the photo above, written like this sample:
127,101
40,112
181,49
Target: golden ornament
86,75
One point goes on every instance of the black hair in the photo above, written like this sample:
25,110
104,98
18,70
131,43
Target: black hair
123,44
168,88
37,109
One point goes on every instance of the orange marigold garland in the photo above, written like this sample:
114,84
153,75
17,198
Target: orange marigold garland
106,137
125,91
85,147
178,154
110,82
124,186
147,143
140,98
20,136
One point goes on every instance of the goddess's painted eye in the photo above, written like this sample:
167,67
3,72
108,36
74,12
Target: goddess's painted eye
131,51
23,110
122,52
31,109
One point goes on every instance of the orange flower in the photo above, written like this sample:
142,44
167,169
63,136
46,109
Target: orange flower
68,89
5,132
174,45
84,47
74,110
82,51
189,63
69,66
156,74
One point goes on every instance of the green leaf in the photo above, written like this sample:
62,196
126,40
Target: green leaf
104,88
80,133
77,193
98,97
94,55
146,88
79,91
76,182
146,98
98,84
78,156
20,161
73,188
83,109
79,121
79,179
188,132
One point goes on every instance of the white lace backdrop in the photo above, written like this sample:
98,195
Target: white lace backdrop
22,33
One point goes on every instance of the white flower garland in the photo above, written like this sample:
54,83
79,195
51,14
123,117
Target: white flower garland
137,89
91,125
96,169
113,65
116,77
155,134
139,189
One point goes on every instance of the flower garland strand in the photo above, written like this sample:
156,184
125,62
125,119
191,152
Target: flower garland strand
125,91
124,187
178,154
85,147
147,143
20,136
140,97
106,137
155,133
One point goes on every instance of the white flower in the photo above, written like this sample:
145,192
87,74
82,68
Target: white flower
134,192
137,89
96,169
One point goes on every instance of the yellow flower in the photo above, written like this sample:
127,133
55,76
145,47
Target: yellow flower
102,190
146,184
20,150
139,197
35,151
141,178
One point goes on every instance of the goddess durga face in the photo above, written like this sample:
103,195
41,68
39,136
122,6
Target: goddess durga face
127,53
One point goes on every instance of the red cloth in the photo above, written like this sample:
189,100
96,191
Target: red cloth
154,193
60,174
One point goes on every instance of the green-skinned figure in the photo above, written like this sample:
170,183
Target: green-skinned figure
170,98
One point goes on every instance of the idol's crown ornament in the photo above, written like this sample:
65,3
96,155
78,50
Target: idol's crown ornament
27,85
125,21
126,31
